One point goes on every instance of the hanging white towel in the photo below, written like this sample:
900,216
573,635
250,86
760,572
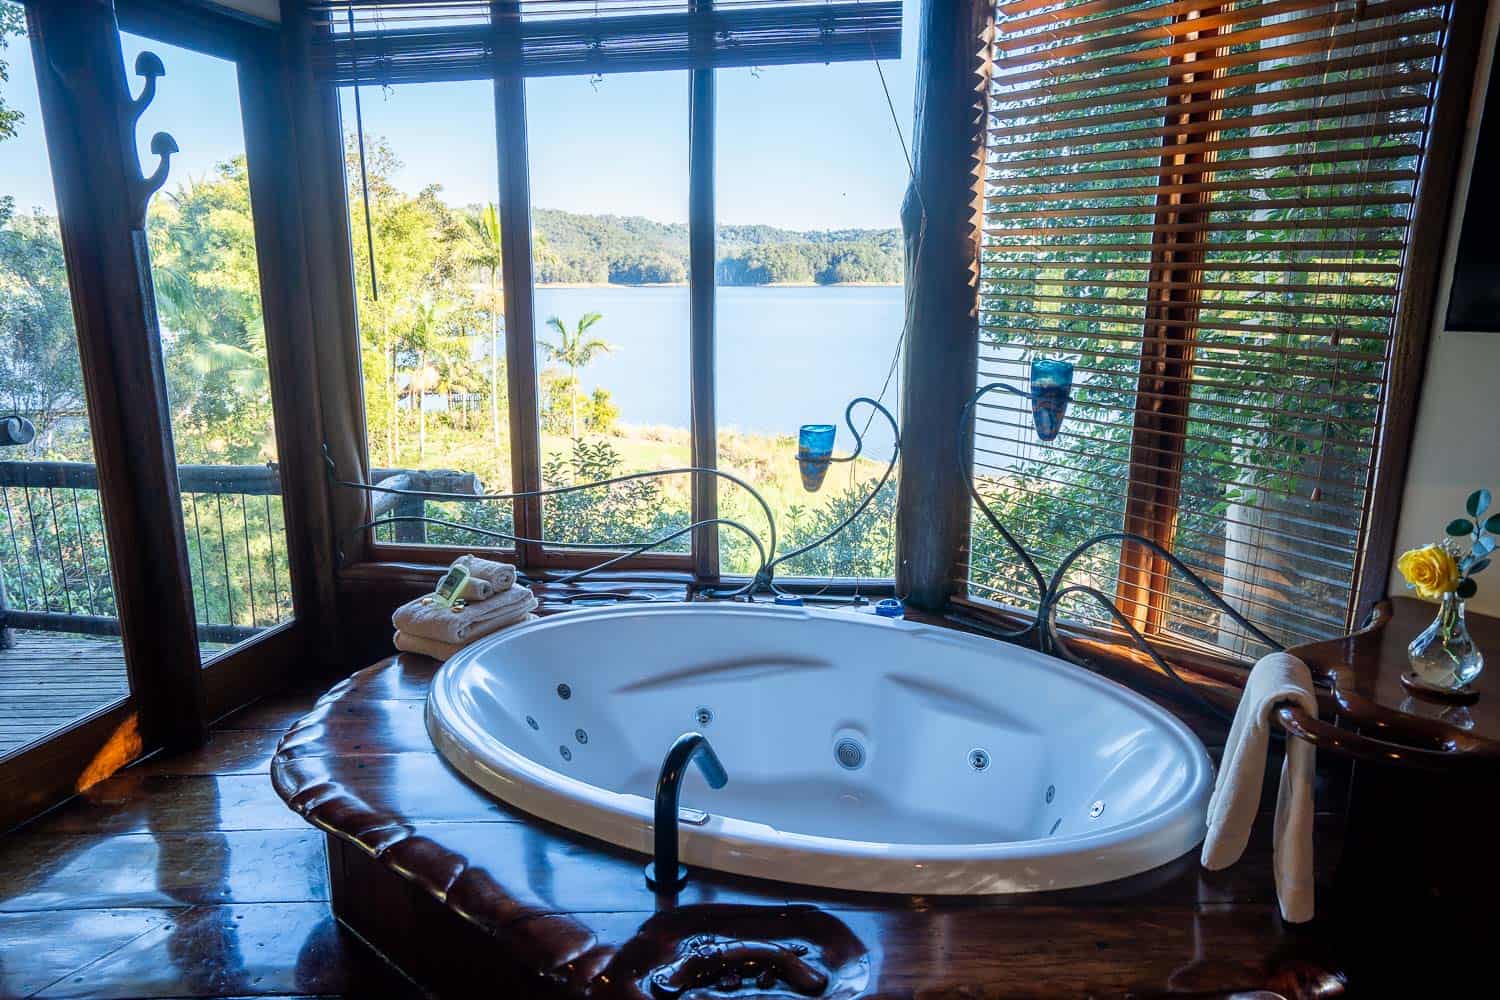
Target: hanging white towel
1274,680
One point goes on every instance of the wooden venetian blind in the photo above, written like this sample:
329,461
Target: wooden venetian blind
1205,206
408,41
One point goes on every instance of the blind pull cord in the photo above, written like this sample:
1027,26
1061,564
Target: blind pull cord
364,176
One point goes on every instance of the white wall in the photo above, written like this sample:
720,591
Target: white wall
270,10
1456,448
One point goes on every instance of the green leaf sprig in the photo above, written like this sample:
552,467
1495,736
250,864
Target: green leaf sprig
1480,531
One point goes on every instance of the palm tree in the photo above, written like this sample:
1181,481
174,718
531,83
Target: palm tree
484,252
429,321
575,350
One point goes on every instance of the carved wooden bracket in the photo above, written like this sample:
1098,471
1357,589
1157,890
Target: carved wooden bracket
730,965
737,950
149,66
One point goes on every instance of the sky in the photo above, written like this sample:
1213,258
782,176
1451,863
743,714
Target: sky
801,147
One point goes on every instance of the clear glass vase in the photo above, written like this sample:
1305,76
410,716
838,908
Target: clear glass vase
1444,656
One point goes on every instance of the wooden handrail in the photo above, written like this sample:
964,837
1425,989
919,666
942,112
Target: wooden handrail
251,480
1357,746
91,618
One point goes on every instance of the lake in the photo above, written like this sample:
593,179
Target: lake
786,356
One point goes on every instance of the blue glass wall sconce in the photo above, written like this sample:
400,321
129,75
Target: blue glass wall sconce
814,453
1051,388
1049,392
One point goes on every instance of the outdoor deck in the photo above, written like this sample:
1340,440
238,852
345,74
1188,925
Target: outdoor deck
49,679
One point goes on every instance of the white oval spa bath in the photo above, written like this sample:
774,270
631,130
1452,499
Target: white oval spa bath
863,753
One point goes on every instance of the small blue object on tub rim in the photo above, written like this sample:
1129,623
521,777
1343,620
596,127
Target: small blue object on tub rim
890,607
789,601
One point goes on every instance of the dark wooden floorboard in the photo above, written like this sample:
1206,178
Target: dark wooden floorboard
183,876
49,679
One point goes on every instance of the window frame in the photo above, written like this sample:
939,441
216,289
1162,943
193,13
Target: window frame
699,565
92,161
1411,329
949,177
258,664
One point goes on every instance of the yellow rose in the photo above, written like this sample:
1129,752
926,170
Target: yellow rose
1431,571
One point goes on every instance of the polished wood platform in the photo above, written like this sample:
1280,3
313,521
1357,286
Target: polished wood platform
182,876
50,679
1364,670
468,894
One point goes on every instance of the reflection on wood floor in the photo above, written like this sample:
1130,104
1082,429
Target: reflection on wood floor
182,876
49,679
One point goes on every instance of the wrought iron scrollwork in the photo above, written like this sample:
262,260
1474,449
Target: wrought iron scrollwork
1043,630
768,570
767,559
149,66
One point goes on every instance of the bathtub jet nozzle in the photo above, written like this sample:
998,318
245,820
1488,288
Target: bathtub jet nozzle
664,874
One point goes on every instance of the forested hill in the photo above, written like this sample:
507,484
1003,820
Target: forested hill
630,250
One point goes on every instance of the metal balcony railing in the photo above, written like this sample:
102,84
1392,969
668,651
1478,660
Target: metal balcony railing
54,560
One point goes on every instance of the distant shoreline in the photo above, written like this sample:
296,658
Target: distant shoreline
684,284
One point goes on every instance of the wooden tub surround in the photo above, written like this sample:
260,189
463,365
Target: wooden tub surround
425,865
468,895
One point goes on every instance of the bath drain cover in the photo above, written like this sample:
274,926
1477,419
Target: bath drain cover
850,754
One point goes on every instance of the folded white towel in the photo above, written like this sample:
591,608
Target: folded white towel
486,578
1274,680
458,626
432,647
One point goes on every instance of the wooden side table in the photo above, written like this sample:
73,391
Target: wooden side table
1418,874
1391,724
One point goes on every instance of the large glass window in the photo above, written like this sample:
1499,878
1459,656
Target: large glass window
610,259
810,177
1214,231
431,306
206,273
55,584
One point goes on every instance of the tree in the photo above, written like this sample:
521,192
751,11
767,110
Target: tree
630,250
427,334
419,249
575,349
483,229
633,511
39,370
208,289
12,24
647,269
865,548
458,375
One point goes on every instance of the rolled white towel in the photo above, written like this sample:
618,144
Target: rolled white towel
1274,680
458,626
486,577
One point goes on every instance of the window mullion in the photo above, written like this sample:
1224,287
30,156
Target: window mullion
520,325
1164,386
701,278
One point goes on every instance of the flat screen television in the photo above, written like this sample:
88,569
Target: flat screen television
1474,297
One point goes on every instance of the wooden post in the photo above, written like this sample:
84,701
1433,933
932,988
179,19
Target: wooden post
322,315
90,123
701,285
282,207
520,304
418,480
941,223
1164,382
